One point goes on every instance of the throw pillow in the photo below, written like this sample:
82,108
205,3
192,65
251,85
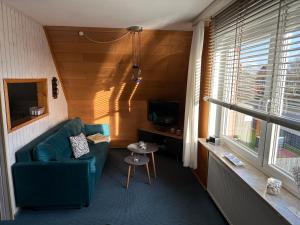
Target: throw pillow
79,145
91,129
44,152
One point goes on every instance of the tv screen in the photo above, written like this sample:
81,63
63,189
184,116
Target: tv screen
163,113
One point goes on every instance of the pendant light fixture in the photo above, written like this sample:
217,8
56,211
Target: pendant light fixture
135,32
136,70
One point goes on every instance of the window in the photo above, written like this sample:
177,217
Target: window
286,149
243,129
256,82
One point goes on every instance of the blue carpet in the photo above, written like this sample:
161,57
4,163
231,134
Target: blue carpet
174,198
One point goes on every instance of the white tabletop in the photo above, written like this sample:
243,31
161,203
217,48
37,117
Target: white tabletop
150,147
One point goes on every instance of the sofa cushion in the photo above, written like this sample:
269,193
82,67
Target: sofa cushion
91,129
26,153
75,127
60,143
44,152
79,145
99,150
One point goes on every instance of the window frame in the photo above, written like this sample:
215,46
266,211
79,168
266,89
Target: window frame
240,149
263,160
270,168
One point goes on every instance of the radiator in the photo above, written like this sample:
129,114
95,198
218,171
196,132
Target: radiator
239,204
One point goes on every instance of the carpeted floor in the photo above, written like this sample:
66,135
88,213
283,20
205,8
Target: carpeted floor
174,198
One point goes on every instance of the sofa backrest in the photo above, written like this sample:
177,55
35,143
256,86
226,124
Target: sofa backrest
57,146
24,154
56,139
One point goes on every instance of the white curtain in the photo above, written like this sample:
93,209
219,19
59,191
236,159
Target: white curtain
190,135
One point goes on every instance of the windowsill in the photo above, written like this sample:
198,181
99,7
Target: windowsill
33,119
286,204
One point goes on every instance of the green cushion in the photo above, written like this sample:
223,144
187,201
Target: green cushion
97,128
44,152
58,143
74,127
25,154
61,143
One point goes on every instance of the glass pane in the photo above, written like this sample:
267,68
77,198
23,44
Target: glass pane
287,87
287,149
243,129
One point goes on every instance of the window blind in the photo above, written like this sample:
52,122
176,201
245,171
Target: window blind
256,60
286,91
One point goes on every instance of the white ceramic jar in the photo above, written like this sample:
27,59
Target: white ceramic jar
273,186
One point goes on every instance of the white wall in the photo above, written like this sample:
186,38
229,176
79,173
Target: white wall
24,53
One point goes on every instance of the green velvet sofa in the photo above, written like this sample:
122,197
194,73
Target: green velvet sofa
46,175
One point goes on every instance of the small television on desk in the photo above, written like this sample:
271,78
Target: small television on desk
163,113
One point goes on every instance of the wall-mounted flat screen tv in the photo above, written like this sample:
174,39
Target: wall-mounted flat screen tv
163,113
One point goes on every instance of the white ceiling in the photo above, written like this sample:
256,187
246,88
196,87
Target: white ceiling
151,14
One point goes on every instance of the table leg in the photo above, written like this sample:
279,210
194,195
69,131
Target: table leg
128,176
133,171
153,164
149,179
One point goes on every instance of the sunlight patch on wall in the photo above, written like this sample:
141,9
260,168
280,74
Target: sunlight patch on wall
117,123
116,104
131,96
102,104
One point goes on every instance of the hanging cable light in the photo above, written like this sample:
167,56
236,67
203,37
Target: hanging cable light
136,70
135,32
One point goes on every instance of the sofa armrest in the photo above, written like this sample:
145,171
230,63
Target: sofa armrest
97,128
46,184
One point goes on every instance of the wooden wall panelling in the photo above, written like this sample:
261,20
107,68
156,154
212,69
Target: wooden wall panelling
42,89
202,169
205,70
97,77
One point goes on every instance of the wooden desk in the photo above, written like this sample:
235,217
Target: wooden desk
164,133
